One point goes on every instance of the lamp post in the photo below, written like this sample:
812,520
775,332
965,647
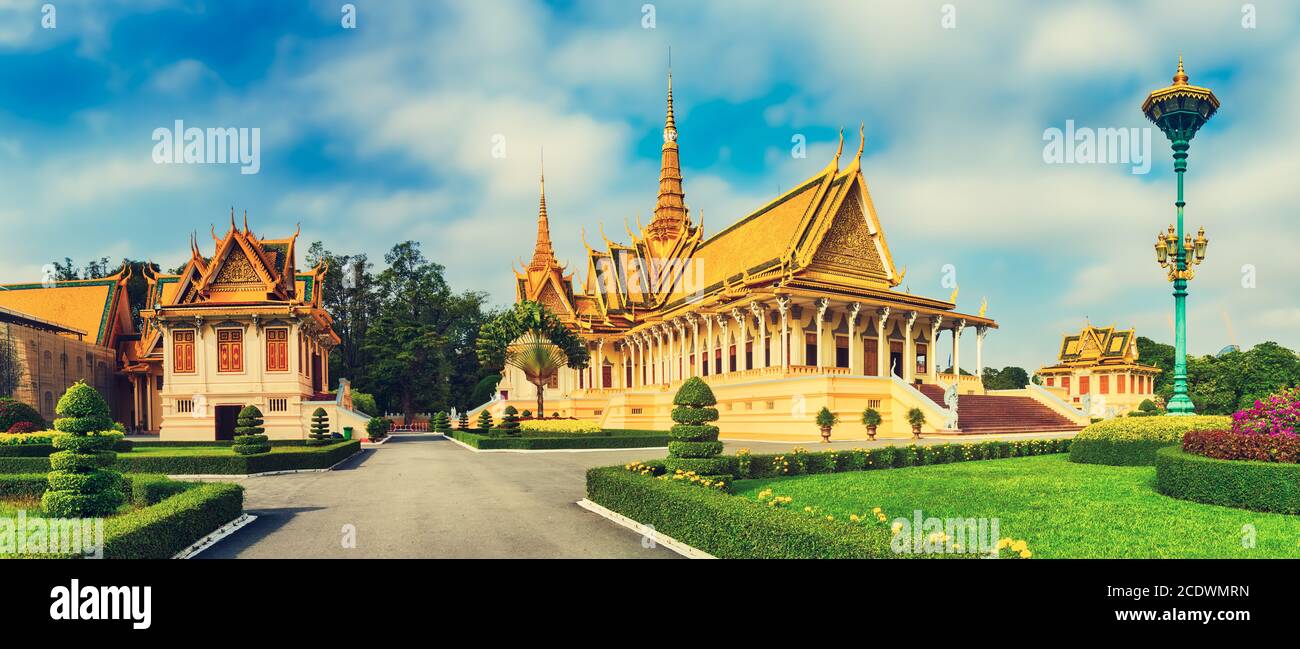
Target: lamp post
1180,110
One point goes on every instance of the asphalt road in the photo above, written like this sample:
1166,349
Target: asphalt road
426,497
421,496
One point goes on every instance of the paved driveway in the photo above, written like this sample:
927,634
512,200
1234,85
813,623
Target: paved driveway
426,497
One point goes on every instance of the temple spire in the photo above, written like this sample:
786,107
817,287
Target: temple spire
543,253
670,218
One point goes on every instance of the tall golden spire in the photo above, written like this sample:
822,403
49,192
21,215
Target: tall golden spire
670,219
543,254
1180,77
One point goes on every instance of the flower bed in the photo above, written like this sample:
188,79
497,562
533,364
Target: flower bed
620,439
567,426
1232,445
170,515
1278,414
1259,486
1133,441
204,460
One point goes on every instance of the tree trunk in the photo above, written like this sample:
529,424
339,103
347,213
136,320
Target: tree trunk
408,408
541,400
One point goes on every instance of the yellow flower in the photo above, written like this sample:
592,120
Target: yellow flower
829,517
1019,546
808,509
1025,554
875,510
854,518
1002,543
897,526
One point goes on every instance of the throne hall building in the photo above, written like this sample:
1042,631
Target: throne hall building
792,307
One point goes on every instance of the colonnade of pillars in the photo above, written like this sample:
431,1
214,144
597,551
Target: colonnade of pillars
758,336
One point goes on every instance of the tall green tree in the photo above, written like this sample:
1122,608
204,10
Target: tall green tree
533,340
1007,378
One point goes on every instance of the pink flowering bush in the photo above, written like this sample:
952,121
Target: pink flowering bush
1278,414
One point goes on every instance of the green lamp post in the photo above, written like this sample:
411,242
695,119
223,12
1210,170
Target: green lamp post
1180,111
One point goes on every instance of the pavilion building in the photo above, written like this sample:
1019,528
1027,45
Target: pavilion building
1098,368
241,327
791,308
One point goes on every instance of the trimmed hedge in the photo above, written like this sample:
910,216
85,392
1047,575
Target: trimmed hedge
730,527
1133,441
321,457
1245,484
802,462
173,515
487,442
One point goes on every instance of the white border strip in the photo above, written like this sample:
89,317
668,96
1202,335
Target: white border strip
554,450
216,535
648,532
236,476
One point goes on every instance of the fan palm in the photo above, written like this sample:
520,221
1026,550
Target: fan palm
539,360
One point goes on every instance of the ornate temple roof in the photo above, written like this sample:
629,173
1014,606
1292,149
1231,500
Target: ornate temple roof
820,238
98,307
1098,346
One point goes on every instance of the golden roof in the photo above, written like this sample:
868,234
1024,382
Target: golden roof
1098,347
96,306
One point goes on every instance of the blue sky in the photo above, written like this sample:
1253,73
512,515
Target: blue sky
384,132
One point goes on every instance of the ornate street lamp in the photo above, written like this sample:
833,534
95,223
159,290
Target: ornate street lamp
1180,111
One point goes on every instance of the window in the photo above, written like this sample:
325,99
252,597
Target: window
1120,384
1065,383
230,350
183,351
636,411
49,361
873,403
1083,384
49,402
810,350
184,406
1104,384
277,350
277,404
1050,381
841,351
158,380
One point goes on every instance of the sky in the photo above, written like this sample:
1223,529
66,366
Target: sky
426,121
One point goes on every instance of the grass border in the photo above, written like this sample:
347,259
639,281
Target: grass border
1243,484
586,442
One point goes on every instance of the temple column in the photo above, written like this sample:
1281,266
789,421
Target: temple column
909,347
708,342
723,343
932,351
760,334
882,344
636,361
783,305
742,338
680,366
600,363
855,356
956,348
822,305
980,332
697,369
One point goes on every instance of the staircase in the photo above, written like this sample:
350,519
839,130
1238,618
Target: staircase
992,413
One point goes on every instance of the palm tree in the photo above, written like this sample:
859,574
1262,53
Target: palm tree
532,339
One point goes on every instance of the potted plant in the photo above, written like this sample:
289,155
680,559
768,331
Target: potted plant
917,419
871,419
825,420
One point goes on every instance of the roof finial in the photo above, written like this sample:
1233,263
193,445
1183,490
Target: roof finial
1180,77
670,123
862,135
246,230
840,150
232,217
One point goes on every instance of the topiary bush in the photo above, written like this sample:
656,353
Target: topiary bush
485,420
1133,441
1259,486
81,485
14,412
441,423
510,420
463,424
320,428
693,440
250,436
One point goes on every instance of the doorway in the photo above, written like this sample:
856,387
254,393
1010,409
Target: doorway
226,416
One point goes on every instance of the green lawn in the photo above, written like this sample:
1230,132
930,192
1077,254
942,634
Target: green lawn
1060,508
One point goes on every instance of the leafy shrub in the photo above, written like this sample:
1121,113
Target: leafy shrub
1125,441
915,417
81,485
1231,445
1278,414
377,428
871,417
695,442
320,428
527,413
250,438
484,420
365,403
569,426
1259,486
801,462
485,442
23,427
463,424
825,418
13,411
